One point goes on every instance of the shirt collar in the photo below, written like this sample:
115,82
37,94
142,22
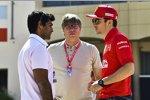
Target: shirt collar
73,46
38,38
110,34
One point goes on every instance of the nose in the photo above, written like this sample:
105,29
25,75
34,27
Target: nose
94,25
71,29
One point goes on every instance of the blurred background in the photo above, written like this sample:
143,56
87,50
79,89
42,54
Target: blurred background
133,21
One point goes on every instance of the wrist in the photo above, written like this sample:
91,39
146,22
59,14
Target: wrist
101,83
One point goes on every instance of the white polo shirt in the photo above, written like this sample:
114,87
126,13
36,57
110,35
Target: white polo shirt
33,55
74,87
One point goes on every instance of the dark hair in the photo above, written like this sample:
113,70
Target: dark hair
114,22
70,19
35,17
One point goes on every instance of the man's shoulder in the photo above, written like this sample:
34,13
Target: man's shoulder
86,44
56,45
120,37
33,45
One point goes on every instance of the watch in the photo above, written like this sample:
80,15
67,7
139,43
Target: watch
101,83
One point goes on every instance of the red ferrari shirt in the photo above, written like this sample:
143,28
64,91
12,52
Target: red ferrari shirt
117,52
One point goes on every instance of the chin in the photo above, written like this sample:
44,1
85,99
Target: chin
72,36
98,32
48,38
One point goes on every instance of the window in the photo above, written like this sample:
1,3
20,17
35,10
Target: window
145,63
77,3
3,79
3,12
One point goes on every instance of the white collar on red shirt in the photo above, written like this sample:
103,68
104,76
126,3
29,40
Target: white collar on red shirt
38,38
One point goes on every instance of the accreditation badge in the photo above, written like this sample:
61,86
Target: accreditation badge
69,70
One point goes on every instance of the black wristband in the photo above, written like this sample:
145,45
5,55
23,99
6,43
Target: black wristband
101,83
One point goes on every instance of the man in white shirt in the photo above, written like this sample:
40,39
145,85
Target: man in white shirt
73,62
35,66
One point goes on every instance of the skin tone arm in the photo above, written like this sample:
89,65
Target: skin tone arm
41,78
122,73
97,73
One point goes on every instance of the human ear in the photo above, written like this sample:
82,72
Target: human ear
40,25
110,22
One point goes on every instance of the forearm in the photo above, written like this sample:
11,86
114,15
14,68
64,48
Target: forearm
122,73
45,90
97,73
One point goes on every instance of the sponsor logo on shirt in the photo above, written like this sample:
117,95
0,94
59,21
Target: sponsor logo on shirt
122,44
105,63
107,48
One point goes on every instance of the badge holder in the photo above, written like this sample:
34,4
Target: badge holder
69,70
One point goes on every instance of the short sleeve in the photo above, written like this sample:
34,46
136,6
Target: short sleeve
123,50
39,57
96,58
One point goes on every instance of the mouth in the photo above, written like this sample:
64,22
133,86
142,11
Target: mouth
96,29
72,33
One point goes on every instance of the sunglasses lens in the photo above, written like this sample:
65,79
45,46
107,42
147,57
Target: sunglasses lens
95,21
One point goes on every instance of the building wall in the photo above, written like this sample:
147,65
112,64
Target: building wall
9,50
87,29
133,22
144,46
133,19
139,20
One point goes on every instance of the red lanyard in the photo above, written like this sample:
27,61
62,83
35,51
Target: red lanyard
71,58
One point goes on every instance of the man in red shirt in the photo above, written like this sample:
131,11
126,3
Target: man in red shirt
118,63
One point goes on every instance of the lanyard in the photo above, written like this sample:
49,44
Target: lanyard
71,58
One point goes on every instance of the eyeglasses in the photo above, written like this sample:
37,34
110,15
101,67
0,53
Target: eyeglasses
96,21
69,27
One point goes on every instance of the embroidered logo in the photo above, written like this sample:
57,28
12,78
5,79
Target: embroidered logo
107,48
122,44
109,14
105,63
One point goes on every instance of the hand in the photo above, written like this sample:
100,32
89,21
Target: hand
94,87
89,84
57,98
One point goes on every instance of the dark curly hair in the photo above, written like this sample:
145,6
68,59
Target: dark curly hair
35,17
